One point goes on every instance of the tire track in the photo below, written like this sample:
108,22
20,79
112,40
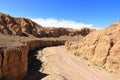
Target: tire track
72,68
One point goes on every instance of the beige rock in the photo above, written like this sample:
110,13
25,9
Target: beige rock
1,65
22,27
14,62
100,47
113,60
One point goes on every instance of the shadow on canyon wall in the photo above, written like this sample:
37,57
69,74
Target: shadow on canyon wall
34,66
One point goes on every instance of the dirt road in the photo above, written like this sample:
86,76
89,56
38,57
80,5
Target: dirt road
60,65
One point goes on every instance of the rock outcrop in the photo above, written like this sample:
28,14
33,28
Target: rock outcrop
14,62
100,47
25,27
14,50
18,26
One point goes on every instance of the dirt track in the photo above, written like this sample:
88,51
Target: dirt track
60,65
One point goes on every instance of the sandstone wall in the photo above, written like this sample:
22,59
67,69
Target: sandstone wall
14,62
102,48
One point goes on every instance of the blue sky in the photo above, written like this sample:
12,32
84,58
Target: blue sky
96,13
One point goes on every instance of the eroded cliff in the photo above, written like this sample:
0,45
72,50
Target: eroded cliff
14,62
100,47
25,27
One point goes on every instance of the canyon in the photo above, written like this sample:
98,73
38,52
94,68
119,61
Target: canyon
19,36
25,52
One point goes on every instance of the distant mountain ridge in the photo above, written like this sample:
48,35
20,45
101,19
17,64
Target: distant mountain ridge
23,27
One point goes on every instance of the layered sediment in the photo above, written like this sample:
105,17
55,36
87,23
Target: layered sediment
100,48
14,62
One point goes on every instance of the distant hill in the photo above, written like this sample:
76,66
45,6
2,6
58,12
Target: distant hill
25,27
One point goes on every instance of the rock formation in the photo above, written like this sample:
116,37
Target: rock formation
100,47
14,62
14,49
22,27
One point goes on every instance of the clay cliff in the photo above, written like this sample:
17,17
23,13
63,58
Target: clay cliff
14,58
23,27
100,48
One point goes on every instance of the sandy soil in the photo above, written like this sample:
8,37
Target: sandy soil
60,65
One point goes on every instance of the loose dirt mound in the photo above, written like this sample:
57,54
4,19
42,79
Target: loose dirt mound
100,47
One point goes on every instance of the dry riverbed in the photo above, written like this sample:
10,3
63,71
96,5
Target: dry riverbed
60,65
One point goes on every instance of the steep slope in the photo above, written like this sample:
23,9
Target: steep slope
23,27
14,55
100,47
18,26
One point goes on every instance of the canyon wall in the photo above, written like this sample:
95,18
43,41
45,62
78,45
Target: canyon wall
14,62
102,48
